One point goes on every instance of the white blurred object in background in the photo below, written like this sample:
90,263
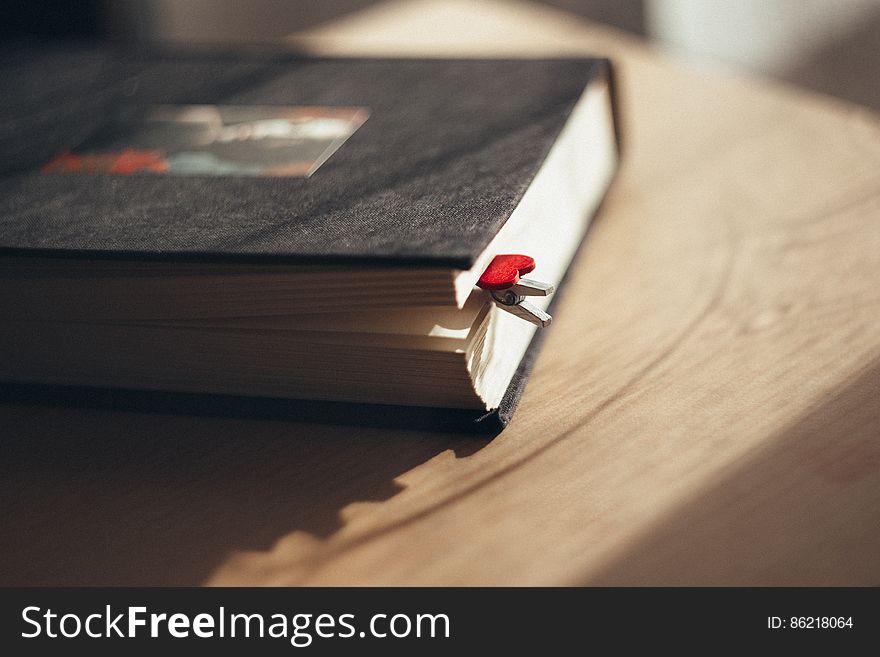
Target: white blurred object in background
769,36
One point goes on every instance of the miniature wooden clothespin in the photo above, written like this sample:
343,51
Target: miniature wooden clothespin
502,279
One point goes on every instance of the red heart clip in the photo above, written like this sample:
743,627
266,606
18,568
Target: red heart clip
504,271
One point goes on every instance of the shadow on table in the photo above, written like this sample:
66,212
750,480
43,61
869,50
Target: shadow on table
763,522
94,497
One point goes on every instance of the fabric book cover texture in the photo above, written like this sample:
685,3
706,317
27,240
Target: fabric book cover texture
449,148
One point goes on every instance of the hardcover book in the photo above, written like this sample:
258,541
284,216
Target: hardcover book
272,226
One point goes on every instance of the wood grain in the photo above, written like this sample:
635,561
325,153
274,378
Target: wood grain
705,410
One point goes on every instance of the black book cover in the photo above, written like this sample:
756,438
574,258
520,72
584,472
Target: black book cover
448,150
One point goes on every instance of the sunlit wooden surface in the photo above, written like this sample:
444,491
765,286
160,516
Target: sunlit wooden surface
705,410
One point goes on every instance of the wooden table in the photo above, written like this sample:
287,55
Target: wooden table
706,408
